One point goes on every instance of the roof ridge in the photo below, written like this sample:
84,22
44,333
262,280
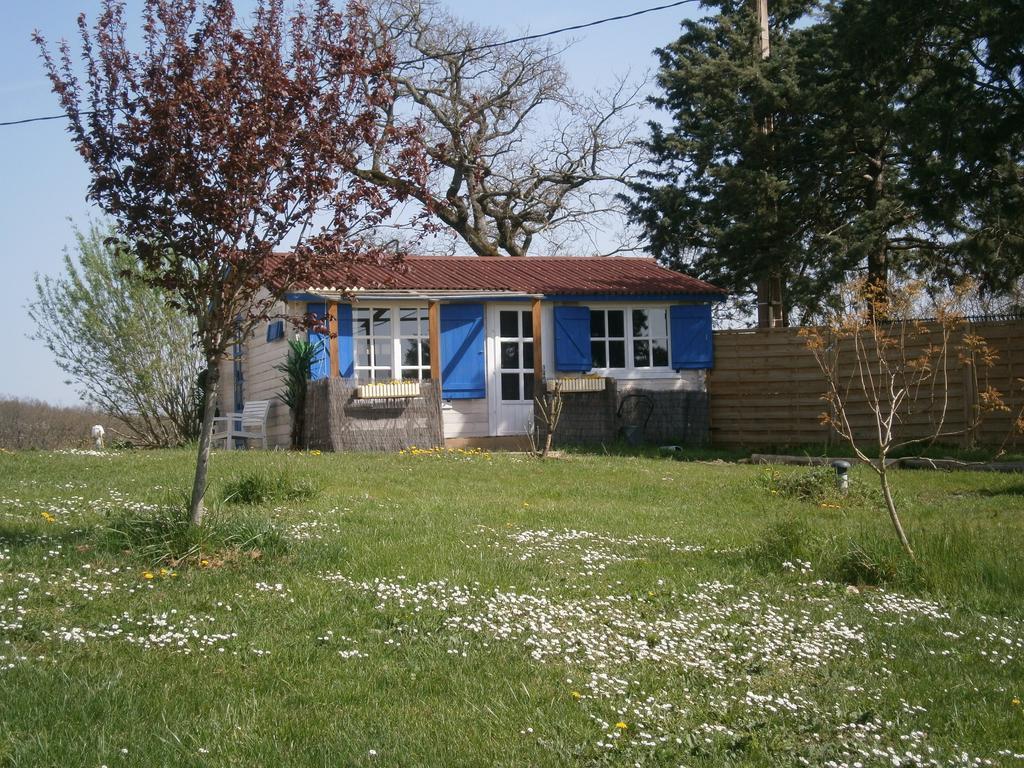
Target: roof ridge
517,259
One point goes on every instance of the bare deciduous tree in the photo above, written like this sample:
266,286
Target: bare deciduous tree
882,364
518,155
547,412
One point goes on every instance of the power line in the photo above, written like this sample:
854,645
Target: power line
560,31
498,44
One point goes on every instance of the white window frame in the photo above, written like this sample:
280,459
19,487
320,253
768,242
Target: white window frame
630,370
374,372
650,339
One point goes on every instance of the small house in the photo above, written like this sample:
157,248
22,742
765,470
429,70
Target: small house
627,340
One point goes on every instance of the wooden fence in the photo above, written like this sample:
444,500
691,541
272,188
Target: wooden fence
766,390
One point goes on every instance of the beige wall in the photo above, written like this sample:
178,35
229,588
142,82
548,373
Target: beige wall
465,418
260,380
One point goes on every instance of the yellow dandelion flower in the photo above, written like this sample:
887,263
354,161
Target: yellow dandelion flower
204,562
577,695
314,452
148,575
1015,701
621,725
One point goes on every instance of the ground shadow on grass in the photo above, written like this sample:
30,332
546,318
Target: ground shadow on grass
651,451
736,453
18,536
1011,490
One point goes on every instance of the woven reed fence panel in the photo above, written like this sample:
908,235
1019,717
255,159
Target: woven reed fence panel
661,416
766,390
336,420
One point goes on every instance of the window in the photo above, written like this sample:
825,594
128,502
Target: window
413,343
608,338
644,345
391,343
650,338
515,352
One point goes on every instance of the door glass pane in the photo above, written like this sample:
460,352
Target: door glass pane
596,323
527,386
425,353
508,322
660,350
382,352
616,354
528,325
510,386
410,373
616,323
658,323
409,322
424,323
382,322
641,354
410,352
598,355
640,322
509,354
528,355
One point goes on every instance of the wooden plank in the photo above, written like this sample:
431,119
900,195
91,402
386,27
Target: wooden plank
332,329
538,357
434,331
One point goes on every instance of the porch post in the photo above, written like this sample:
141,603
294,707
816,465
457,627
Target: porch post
332,330
538,357
434,329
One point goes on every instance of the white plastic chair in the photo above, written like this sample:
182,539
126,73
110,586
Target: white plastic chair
251,424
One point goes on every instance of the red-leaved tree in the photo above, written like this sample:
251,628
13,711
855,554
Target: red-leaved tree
221,139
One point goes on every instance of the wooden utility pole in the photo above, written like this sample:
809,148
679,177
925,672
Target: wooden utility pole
770,312
762,22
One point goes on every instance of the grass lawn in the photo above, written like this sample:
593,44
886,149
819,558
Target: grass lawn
483,610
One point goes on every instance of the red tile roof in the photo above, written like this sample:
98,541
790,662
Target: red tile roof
561,275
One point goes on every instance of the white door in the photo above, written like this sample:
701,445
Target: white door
510,388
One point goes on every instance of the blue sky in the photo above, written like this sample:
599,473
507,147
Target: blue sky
44,180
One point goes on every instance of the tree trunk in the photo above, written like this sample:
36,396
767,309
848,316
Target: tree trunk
891,506
196,508
298,419
878,256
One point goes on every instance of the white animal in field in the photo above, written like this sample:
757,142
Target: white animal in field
97,436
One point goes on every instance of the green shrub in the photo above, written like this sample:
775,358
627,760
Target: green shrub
818,486
168,536
877,562
261,486
778,542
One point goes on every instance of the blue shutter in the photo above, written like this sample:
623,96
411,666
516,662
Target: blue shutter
462,351
572,339
345,348
690,328
321,367
275,330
